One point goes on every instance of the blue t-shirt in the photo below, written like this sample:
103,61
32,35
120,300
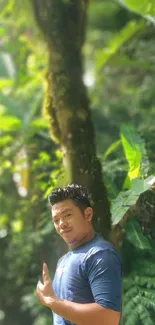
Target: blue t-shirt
90,273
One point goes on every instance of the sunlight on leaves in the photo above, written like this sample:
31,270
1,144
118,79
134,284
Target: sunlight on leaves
17,225
10,123
135,152
143,7
3,220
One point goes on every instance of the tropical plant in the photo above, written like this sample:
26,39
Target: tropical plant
139,284
118,72
139,243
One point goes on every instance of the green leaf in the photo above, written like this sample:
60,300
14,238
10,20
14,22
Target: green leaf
125,199
3,220
3,109
139,186
6,83
143,7
48,191
135,235
8,8
133,156
17,225
135,152
39,124
5,140
112,148
10,123
117,41
121,204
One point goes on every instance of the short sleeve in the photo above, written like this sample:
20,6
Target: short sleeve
104,272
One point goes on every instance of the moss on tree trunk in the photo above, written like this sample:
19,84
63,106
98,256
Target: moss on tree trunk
63,24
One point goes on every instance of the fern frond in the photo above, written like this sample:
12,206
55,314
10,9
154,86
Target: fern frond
143,281
148,303
128,282
130,306
151,283
138,281
150,293
132,319
134,291
144,315
139,295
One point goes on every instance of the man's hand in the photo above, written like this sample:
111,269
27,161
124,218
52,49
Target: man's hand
45,291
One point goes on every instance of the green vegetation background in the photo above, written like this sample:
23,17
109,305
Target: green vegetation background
119,56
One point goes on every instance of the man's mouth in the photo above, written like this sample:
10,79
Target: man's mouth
65,232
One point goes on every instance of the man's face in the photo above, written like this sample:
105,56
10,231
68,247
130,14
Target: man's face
70,222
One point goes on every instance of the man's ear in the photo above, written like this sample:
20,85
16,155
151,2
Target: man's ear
89,213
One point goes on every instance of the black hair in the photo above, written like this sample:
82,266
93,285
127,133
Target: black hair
77,193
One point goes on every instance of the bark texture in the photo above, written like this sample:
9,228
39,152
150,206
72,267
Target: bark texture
63,24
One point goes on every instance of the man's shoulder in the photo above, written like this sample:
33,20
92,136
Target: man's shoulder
100,244
101,248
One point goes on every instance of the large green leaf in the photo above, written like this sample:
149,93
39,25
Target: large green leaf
125,199
112,148
139,186
121,204
146,8
135,235
117,41
135,152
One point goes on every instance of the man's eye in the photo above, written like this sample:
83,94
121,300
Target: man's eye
56,221
67,215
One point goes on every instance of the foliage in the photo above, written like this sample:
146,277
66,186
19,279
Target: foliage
30,168
122,90
138,248
119,70
135,182
117,41
144,8
127,198
139,278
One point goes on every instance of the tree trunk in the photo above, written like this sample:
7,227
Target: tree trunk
63,24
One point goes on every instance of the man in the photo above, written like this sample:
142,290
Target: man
87,285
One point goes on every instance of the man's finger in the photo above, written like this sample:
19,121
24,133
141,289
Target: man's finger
40,286
45,273
39,291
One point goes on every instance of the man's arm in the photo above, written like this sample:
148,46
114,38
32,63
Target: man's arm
80,314
84,314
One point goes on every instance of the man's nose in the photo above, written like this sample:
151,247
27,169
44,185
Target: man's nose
62,223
